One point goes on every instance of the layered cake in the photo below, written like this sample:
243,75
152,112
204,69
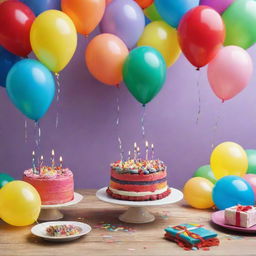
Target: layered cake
241,216
54,185
138,180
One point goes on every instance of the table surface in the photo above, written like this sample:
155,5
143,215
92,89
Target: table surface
141,239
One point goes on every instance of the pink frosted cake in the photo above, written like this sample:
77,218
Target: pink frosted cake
241,216
55,186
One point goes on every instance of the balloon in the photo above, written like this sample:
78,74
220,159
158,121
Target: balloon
30,87
105,56
240,20
16,20
162,37
201,34
230,72
7,60
20,203
53,38
108,1
198,193
125,19
228,158
173,11
144,73
232,190
42,5
219,5
152,14
144,3
86,14
4,179
251,179
251,155
205,171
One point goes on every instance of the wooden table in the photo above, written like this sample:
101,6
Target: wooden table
143,239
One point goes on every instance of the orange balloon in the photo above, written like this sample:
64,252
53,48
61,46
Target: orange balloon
105,56
86,14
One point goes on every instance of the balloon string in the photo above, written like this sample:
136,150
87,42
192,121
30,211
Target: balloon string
37,137
26,130
142,120
117,126
57,75
216,126
199,97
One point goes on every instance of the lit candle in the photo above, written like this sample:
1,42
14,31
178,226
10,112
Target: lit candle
61,162
129,155
41,163
152,151
52,158
33,162
138,152
135,150
146,149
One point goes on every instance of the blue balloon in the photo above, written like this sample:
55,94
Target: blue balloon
7,60
172,11
31,88
232,190
38,6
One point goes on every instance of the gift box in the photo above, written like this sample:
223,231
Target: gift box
241,216
191,236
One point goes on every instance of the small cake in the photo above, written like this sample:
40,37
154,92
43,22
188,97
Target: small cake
54,185
241,216
63,230
138,180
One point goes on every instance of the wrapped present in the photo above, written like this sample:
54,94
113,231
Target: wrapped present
189,236
241,216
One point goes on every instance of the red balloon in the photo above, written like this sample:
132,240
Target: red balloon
201,33
16,19
144,3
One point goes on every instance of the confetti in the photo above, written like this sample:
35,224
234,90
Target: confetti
114,228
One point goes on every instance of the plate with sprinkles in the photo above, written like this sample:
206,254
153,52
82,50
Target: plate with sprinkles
61,231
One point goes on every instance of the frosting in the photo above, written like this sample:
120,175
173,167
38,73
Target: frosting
132,193
139,166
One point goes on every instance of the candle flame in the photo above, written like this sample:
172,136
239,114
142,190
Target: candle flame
135,145
138,149
53,153
129,153
33,153
152,146
61,159
146,144
42,158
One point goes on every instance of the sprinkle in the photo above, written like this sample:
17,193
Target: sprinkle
114,228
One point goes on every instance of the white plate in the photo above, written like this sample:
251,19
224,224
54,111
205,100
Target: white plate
40,230
77,198
175,196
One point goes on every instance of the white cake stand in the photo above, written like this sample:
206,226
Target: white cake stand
52,212
137,213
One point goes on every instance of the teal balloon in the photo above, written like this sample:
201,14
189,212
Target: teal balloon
251,155
205,171
4,179
31,88
144,73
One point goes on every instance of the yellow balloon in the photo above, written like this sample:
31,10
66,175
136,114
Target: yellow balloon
228,158
161,36
198,193
20,203
53,39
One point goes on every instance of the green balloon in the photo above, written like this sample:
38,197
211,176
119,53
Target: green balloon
240,22
152,13
5,178
144,73
205,171
251,155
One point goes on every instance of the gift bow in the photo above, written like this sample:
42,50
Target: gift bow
242,208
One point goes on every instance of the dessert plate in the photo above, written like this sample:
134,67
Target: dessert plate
40,230
219,219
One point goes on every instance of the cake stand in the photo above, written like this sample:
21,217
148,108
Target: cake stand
137,213
52,212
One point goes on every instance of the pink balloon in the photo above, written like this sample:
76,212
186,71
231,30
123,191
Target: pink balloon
219,5
230,72
251,179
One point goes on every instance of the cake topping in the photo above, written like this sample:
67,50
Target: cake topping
47,172
139,166
63,230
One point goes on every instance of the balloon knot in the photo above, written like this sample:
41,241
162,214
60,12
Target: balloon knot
143,105
197,68
117,85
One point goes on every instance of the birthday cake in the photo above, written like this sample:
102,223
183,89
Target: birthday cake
54,185
138,180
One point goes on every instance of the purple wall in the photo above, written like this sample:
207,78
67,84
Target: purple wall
87,134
